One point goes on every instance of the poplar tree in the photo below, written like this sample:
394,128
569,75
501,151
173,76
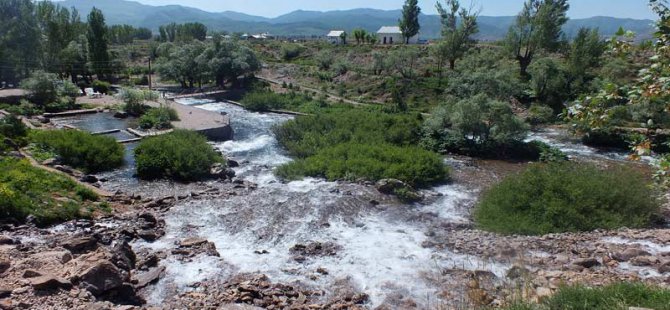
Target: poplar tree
409,23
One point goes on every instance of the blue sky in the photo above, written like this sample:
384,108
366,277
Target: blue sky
271,8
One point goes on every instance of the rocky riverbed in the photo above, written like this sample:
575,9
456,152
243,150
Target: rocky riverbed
254,242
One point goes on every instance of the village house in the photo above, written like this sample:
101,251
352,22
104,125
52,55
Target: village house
335,37
393,35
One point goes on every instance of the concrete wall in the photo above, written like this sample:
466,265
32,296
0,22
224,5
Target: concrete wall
395,38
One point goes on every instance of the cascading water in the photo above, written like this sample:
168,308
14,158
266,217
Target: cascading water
381,244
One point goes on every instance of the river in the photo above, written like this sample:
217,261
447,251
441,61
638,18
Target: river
380,241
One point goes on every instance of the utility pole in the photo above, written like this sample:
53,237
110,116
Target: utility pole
150,73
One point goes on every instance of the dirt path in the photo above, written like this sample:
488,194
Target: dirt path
330,96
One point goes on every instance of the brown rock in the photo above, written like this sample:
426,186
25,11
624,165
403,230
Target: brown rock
4,265
150,234
643,261
149,277
61,257
49,282
4,240
101,277
586,262
192,242
5,292
664,268
80,244
6,304
629,254
29,273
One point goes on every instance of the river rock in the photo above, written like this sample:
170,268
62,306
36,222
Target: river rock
644,261
103,276
388,186
230,173
218,170
664,268
29,273
586,262
4,265
50,162
49,282
89,179
630,253
149,277
4,240
192,242
63,168
80,244
123,256
5,292
121,114
301,251
43,120
232,163
60,257
150,234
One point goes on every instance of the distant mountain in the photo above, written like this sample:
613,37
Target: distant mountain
319,23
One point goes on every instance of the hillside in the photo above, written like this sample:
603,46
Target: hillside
318,23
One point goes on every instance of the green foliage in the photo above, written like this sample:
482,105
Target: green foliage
80,149
538,27
187,32
618,296
550,83
540,114
409,23
263,101
458,27
49,197
101,86
290,51
351,161
13,129
181,155
134,100
42,87
97,43
354,143
159,118
474,126
567,197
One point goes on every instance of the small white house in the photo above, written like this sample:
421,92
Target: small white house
392,35
335,36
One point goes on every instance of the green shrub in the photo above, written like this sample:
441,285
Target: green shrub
350,144
619,296
81,150
475,126
101,86
159,118
49,197
290,51
567,197
134,100
181,155
540,114
351,161
263,101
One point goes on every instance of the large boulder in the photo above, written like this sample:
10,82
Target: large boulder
389,186
586,262
80,244
629,254
49,282
101,278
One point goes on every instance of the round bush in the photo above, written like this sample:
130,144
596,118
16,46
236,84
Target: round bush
567,197
181,155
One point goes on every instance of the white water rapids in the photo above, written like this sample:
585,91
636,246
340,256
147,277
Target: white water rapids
381,246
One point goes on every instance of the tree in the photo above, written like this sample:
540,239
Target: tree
537,27
585,54
458,27
182,65
360,35
343,37
20,40
409,23
97,43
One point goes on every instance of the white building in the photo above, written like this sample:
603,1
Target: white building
335,36
393,35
